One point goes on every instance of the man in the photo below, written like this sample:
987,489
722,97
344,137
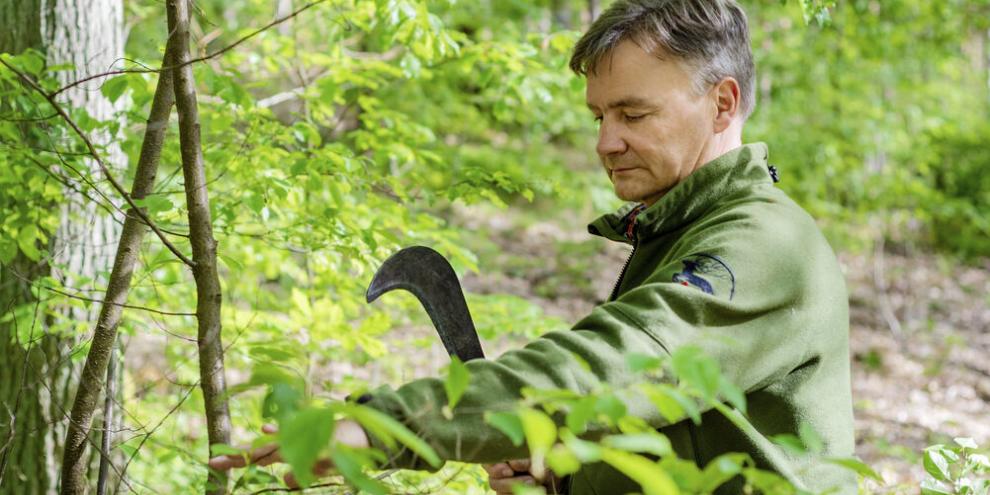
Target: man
722,260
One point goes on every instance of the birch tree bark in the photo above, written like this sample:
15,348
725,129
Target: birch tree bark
36,381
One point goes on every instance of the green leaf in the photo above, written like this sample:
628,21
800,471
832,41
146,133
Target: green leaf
224,449
586,452
508,423
387,428
282,401
155,204
650,442
457,381
966,443
301,439
8,250
349,464
231,262
698,371
26,240
979,461
790,443
933,487
562,460
733,394
540,432
610,406
856,465
810,437
114,88
767,482
722,469
672,404
650,476
643,362
31,61
936,464
301,301
580,413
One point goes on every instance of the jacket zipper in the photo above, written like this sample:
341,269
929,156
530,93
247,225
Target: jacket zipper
618,281
630,234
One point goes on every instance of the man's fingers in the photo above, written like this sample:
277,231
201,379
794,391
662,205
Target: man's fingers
503,486
503,476
261,456
498,470
225,462
290,481
322,467
265,455
520,465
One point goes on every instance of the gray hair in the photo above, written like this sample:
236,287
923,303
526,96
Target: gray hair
710,36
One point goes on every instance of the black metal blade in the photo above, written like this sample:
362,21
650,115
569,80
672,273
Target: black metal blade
428,275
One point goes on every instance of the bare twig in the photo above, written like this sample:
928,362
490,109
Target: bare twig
29,119
280,489
99,161
105,443
880,280
128,306
194,60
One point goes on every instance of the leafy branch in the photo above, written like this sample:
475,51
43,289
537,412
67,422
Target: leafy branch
165,67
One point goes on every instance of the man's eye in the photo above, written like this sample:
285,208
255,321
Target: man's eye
633,118
598,119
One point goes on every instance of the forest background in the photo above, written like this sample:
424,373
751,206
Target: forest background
312,140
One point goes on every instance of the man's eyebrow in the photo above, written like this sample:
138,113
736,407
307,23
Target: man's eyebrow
631,101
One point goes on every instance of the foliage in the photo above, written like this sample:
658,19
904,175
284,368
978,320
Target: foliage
958,469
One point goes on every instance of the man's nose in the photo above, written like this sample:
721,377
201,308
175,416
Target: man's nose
610,141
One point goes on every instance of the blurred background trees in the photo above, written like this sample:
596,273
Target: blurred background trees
355,127
53,229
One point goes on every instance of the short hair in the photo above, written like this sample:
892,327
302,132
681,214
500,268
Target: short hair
710,36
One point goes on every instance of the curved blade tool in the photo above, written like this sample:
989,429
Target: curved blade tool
428,275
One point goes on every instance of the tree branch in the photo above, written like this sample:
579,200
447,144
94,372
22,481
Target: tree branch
118,287
204,247
128,306
99,161
215,54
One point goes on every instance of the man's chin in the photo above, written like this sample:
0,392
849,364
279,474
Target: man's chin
644,197
628,196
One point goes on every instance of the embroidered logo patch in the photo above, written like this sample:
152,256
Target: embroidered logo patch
708,273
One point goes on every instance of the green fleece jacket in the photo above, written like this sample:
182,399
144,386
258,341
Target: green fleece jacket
725,262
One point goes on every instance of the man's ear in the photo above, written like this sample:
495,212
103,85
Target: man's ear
727,96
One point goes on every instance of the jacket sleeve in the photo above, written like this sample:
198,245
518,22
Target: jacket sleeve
756,336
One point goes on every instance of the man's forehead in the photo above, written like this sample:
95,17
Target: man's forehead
620,102
629,76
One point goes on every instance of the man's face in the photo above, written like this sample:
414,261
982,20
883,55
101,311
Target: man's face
653,127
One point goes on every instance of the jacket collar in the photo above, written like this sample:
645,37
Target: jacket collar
720,178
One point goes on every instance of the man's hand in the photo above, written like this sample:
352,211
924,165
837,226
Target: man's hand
502,477
346,432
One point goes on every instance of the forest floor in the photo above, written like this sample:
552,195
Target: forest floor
920,332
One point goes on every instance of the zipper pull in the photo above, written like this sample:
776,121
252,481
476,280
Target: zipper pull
631,222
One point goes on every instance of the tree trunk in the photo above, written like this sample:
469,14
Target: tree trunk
37,379
118,287
204,246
